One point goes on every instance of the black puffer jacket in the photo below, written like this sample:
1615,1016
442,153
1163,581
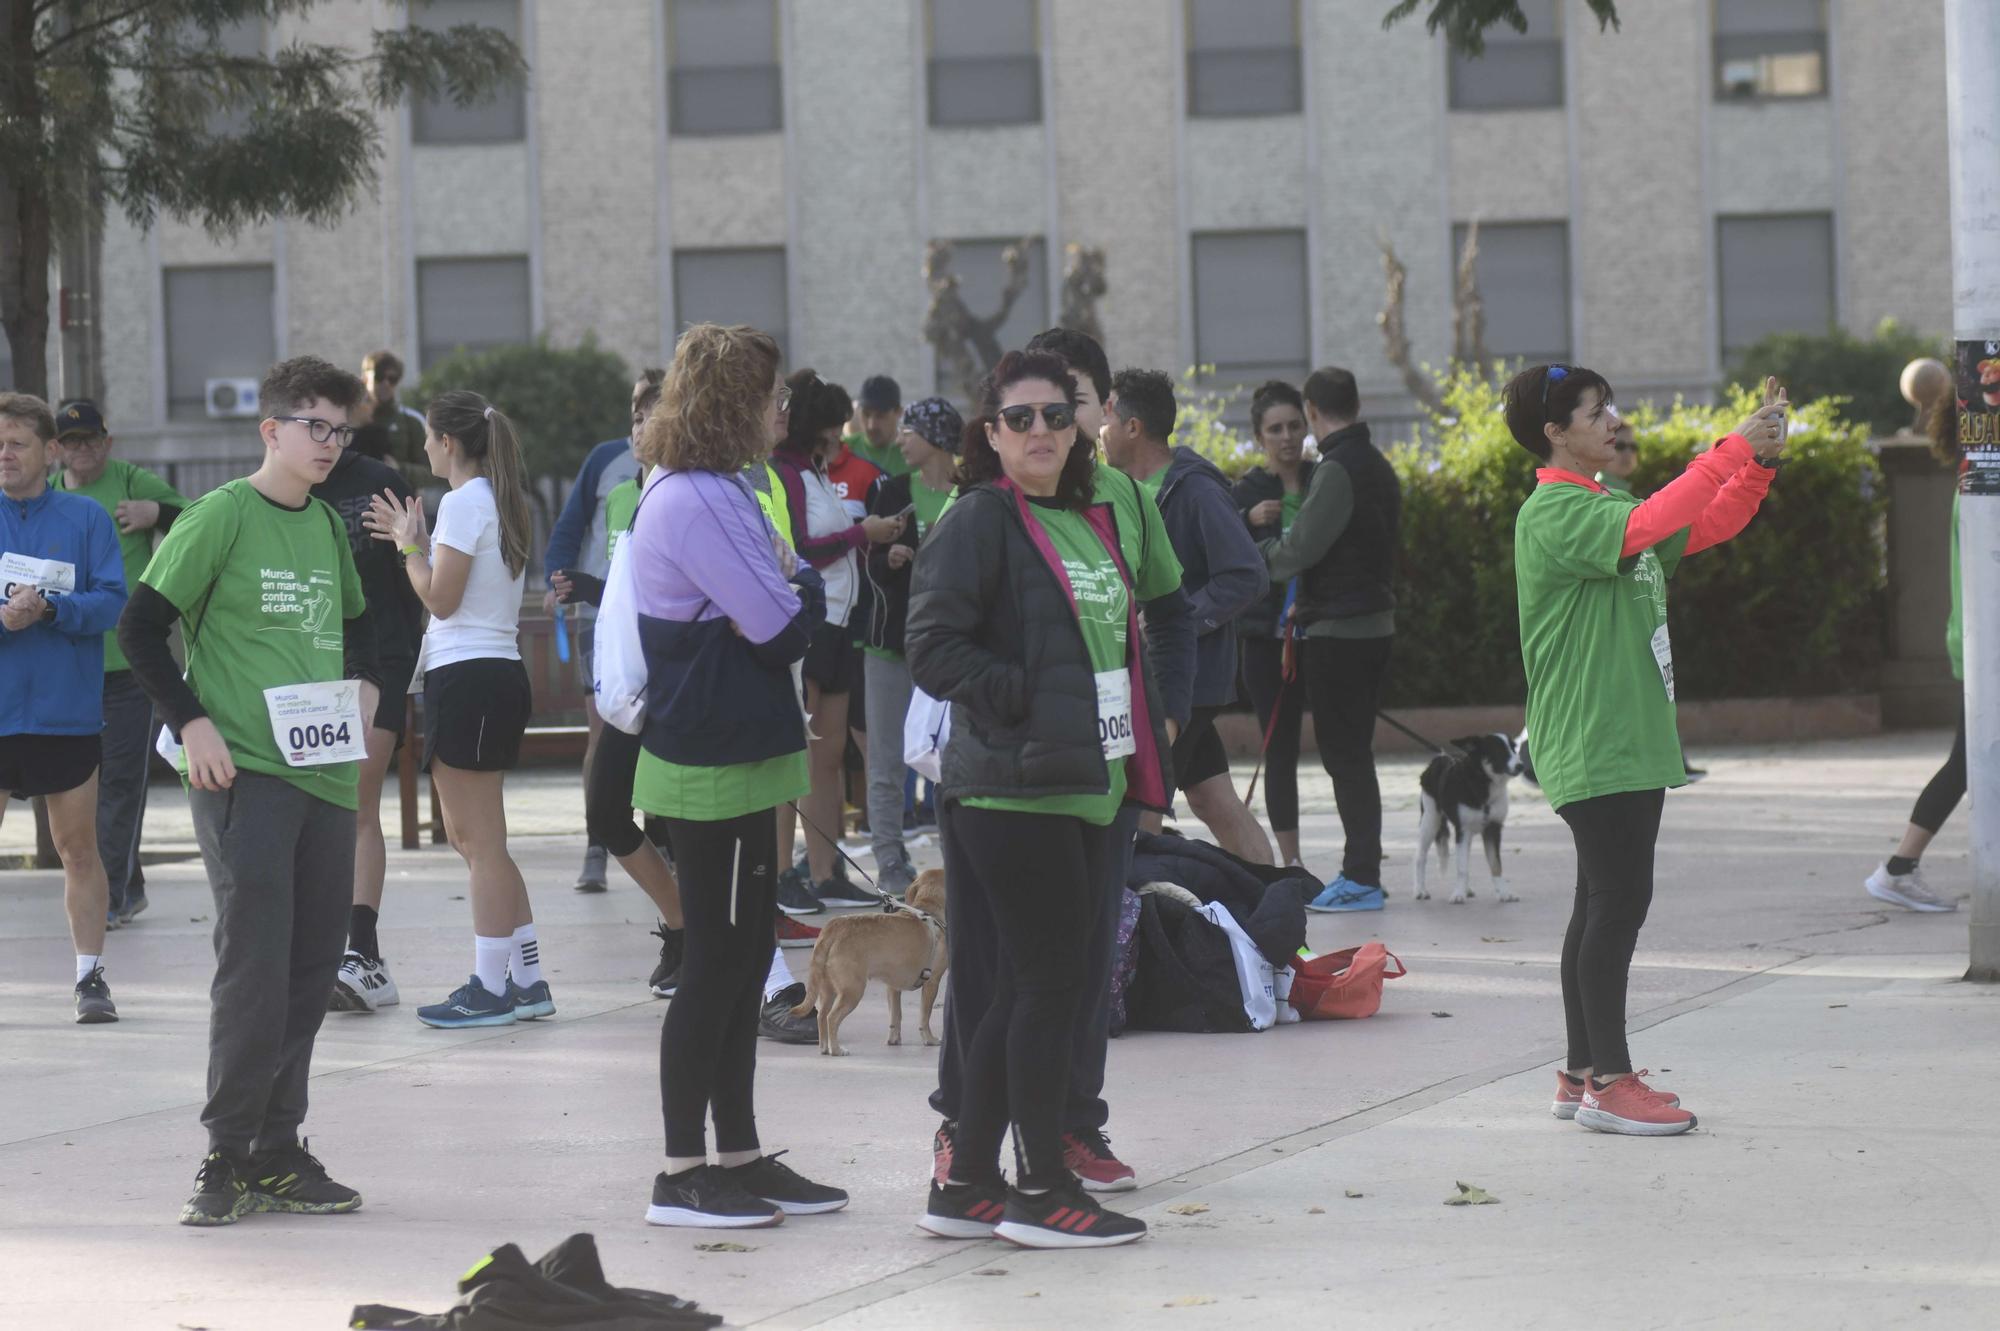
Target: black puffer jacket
888,603
991,632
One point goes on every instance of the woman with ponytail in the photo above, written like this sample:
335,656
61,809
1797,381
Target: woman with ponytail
476,693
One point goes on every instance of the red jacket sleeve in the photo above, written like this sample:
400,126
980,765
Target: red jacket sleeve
1681,503
1731,510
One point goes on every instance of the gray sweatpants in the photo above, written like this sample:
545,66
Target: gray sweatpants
121,783
281,866
888,685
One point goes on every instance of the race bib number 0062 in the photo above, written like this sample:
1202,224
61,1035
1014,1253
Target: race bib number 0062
1114,714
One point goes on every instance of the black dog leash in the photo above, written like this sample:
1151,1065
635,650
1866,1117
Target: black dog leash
888,902
1434,748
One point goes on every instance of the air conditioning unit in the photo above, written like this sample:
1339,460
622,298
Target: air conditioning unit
229,398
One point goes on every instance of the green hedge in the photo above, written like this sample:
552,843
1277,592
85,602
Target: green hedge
1864,375
1792,606
562,400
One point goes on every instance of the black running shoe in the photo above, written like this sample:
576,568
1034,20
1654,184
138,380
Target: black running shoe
93,999
778,1023
795,894
785,1188
219,1195
964,1210
591,878
843,895
667,975
290,1180
1065,1217
706,1197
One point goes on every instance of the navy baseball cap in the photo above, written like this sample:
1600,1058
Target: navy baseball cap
79,416
881,393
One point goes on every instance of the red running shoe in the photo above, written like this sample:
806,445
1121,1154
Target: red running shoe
1626,1106
1569,1096
1087,1155
791,933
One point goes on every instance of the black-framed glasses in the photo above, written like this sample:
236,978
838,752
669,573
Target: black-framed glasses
320,430
1021,419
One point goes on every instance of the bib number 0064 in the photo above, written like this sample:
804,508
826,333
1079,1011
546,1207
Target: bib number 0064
320,736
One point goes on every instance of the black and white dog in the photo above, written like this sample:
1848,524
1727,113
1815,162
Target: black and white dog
1466,795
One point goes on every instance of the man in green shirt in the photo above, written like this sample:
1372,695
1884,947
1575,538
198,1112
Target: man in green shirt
878,415
140,504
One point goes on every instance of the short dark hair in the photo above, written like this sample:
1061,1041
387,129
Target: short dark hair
1332,393
383,362
1080,351
1272,393
979,462
1148,397
841,400
291,384
1532,399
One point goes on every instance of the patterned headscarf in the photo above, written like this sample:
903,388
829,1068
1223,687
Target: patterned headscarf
937,422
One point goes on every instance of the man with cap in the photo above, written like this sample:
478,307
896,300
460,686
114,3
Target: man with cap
140,505
877,420
928,441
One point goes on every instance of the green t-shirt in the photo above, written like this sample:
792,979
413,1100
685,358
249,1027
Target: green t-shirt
1101,603
263,592
1291,504
1622,484
930,503
619,508
1151,484
713,794
889,461
1594,642
121,481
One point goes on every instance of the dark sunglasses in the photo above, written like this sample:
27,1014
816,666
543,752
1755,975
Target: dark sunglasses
1626,448
1056,415
1556,374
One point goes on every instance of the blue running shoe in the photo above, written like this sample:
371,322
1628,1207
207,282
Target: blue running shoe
1343,894
469,1005
531,1003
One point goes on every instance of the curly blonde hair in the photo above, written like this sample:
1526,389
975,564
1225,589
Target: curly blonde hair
711,411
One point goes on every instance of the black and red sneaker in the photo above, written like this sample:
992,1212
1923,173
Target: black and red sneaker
1087,1154
964,1210
1065,1217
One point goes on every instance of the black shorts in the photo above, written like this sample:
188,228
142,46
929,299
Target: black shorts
393,709
832,660
475,713
33,765
1198,752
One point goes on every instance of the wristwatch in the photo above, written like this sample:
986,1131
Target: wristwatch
1771,464
48,611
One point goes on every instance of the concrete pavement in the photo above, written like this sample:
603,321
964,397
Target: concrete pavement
1843,1173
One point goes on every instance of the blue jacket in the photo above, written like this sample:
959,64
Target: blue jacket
52,675
1222,570
579,539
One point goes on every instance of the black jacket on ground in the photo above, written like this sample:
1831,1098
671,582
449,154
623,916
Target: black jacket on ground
1222,571
1253,488
991,632
887,607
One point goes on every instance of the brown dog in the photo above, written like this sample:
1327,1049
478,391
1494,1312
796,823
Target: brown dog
903,949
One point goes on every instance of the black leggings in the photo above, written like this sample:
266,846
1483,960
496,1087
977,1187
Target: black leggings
607,796
1038,878
1946,789
1264,677
708,1042
1615,836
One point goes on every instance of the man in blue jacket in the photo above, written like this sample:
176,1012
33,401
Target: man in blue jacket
1223,575
63,583
580,542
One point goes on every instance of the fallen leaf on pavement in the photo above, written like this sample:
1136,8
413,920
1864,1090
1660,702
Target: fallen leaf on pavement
1315,1210
1352,1193
992,1271
1468,1195
1489,938
1188,1208
1440,1014
724,1246
1188,1301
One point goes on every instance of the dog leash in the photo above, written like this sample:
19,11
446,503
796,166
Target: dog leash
1433,747
888,902
1287,672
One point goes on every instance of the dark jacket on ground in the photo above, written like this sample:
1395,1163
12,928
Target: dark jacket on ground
1342,545
1253,488
1222,570
888,601
991,632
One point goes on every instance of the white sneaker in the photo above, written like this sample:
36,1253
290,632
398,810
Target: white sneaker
362,986
1909,890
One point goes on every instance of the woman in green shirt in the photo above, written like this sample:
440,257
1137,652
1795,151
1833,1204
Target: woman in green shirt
1591,567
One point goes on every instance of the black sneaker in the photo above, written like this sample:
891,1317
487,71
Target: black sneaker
708,1198
785,1188
964,1210
778,1023
93,999
290,1180
219,1195
843,895
1065,1217
795,897
667,975
591,878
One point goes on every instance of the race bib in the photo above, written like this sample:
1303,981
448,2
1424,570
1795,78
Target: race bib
317,724
1663,654
52,577
1114,714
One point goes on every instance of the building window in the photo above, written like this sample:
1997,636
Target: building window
474,304
724,76
1523,275
1775,275
733,287
1770,48
981,269
1251,301
1243,58
985,62
221,324
1518,70
501,118
241,40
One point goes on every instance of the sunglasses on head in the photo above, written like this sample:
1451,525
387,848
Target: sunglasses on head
1021,419
1556,374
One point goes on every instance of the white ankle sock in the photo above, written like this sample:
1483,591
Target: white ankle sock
527,958
85,965
681,1164
779,977
737,1159
489,963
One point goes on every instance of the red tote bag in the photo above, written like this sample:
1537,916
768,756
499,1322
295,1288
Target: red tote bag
1345,985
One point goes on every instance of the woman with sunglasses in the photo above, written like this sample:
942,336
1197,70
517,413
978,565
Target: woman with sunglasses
1024,616
1617,473
1591,566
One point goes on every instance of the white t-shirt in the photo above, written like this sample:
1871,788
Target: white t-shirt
487,622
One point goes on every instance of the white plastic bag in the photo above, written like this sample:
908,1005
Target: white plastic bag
1254,975
618,663
926,730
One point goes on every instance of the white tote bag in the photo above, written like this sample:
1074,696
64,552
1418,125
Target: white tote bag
926,730
618,663
1254,975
